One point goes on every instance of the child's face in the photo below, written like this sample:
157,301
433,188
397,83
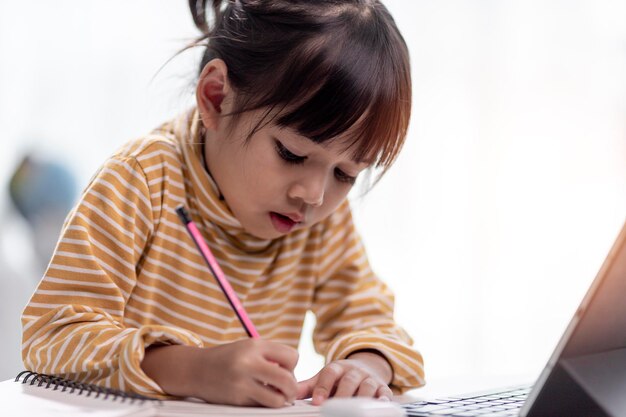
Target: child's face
278,181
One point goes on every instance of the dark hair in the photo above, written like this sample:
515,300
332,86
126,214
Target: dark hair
319,67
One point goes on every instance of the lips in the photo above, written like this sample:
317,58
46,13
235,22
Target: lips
284,223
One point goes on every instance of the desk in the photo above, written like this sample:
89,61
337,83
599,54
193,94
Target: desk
18,399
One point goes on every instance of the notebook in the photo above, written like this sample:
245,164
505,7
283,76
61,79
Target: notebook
30,398
586,373
40,395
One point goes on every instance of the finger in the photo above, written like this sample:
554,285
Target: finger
368,388
305,388
279,378
328,376
285,356
350,382
266,396
384,392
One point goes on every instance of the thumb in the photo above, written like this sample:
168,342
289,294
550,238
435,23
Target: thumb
305,388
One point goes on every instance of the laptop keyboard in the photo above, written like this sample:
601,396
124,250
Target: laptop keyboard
493,404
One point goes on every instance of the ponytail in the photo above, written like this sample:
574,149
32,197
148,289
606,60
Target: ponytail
199,15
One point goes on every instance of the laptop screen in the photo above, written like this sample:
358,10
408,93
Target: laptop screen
586,374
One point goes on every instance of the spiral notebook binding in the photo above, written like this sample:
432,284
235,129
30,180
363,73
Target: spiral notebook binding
57,382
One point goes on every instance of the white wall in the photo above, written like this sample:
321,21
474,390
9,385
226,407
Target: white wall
494,220
513,181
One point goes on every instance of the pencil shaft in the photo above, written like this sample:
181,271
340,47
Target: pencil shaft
217,272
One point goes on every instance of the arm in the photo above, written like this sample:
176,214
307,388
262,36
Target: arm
74,323
375,361
354,311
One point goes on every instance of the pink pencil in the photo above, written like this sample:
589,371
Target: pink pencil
217,272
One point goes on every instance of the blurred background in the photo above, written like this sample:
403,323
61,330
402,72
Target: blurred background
490,226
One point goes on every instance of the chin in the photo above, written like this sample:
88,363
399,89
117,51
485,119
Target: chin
263,234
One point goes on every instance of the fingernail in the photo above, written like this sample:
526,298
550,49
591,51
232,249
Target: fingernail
318,398
383,398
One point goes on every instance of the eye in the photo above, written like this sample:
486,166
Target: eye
343,177
287,155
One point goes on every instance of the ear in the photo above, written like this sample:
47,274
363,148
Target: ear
213,88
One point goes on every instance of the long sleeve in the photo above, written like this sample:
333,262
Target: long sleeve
74,323
354,309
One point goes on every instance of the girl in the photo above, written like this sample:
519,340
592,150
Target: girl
294,100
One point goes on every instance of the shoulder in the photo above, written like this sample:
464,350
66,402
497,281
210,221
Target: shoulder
157,155
157,148
149,165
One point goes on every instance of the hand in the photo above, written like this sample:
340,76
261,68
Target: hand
248,372
363,374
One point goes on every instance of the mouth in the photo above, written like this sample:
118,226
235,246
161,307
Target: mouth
284,223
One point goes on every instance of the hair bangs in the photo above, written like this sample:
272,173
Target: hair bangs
362,94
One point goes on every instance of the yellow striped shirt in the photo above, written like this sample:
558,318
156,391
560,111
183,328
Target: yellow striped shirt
125,275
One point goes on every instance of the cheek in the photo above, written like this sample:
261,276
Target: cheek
338,191
333,197
263,177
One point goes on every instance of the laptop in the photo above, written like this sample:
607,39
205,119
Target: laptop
586,373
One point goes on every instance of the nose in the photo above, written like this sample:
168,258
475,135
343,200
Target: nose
309,189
